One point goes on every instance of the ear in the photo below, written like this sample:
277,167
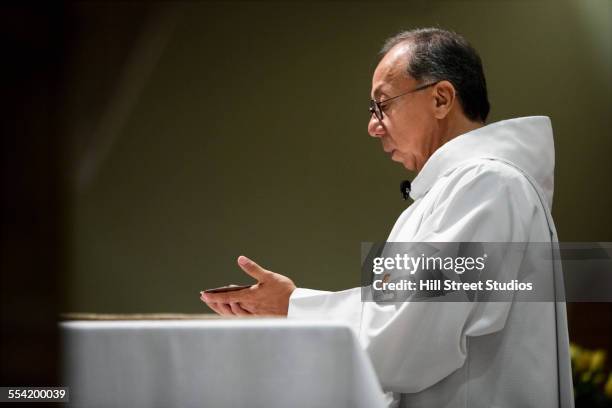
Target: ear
444,96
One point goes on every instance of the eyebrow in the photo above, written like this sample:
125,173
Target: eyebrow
378,91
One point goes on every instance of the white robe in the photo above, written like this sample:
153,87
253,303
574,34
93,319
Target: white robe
493,184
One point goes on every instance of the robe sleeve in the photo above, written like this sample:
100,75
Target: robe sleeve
344,306
413,345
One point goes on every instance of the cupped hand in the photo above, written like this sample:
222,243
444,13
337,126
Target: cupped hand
268,297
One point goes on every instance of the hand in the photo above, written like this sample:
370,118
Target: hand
268,297
225,309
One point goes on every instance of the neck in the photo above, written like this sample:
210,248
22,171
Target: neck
448,130
458,126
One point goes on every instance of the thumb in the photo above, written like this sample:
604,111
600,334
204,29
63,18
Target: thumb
252,268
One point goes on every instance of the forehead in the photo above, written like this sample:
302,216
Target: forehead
391,70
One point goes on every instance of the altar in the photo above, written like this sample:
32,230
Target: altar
198,361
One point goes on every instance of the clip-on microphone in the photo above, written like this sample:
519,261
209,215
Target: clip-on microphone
405,189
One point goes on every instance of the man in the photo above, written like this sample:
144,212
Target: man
475,183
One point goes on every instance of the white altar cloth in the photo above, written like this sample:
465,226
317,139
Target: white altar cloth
216,363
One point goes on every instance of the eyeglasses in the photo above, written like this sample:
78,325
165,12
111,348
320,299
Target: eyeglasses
376,107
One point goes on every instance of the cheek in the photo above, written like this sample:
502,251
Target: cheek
416,131
407,130
405,136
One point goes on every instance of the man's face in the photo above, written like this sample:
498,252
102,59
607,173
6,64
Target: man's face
407,131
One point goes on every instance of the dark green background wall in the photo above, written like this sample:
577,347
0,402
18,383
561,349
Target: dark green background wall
204,131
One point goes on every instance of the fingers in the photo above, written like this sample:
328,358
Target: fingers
225,309
236,296
238,310
252,268
233,309
214,308
219,308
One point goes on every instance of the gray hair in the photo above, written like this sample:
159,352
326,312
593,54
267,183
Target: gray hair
437,55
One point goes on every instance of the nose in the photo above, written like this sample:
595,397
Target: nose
375,127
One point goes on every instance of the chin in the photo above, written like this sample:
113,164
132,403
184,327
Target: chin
404,162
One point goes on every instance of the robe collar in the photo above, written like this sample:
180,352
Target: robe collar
526,142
